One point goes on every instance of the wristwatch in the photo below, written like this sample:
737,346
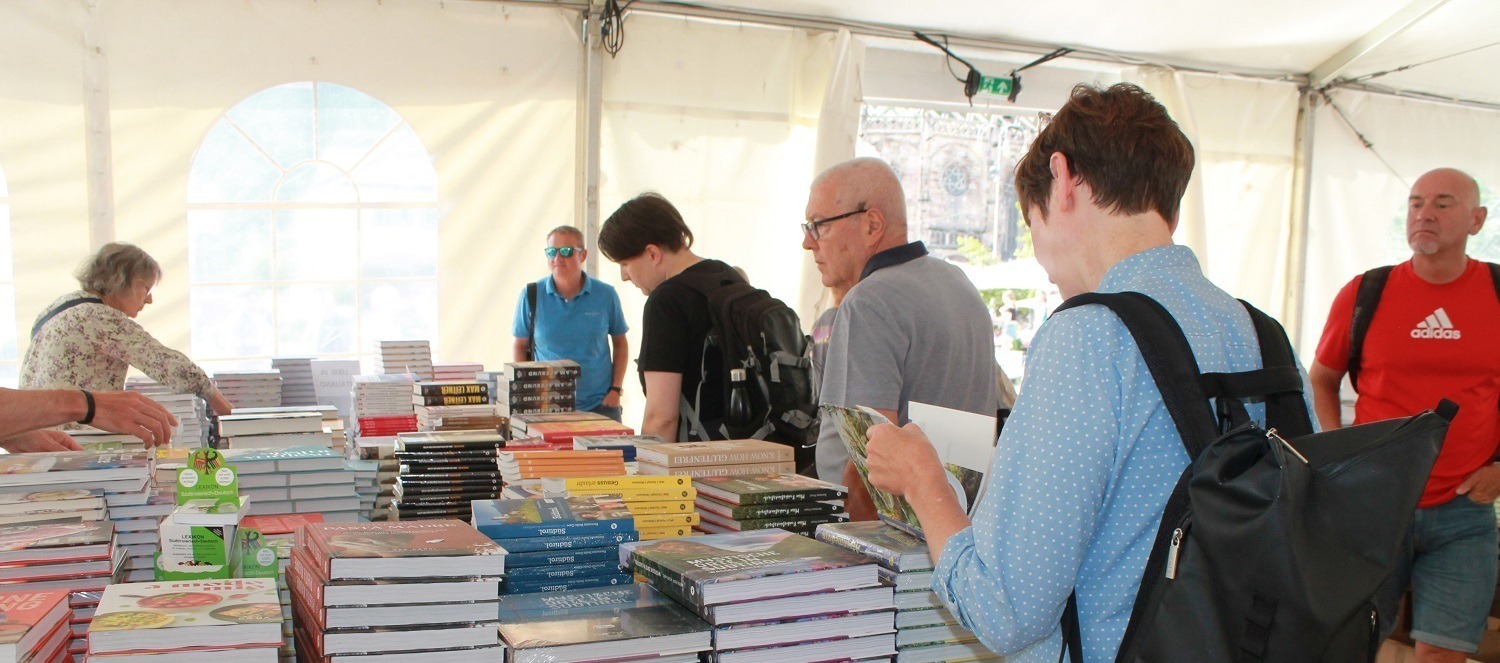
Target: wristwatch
614,388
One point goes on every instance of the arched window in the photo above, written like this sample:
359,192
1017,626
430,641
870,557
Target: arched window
312,225
9,355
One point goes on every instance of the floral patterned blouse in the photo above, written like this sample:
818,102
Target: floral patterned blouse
92,346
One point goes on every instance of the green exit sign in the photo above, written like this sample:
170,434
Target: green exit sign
999,86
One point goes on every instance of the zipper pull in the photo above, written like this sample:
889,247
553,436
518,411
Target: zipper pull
1274,437
1172,553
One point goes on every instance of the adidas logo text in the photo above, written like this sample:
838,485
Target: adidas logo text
1437,326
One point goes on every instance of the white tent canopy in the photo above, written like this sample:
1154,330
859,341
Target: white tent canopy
729,109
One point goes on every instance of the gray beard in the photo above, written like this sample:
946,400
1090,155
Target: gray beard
1423,247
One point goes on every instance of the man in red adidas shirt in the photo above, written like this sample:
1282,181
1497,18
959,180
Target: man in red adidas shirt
1435,334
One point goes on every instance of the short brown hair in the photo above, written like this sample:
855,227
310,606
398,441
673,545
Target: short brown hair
645,219
570,231
115,266
1119,141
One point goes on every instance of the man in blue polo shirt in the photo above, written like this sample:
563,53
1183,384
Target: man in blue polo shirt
577,318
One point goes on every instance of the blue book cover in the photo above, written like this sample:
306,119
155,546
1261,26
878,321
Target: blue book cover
548,557
508,587
553,516
529,574
609,541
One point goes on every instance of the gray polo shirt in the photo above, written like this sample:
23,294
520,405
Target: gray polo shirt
913,329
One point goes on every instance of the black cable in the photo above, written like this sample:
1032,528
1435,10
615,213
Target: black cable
612,26
948,60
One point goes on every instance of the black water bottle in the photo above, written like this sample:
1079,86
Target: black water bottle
739,399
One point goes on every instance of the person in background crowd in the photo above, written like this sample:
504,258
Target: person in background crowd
89,339
1082,471
911,328
26,414
576,318
1435,334
652,245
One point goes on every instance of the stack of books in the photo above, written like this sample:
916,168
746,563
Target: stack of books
366,485
237,619
76,505
440,473
662,505
381,451
333,424
250,388
280,534
427,589
529,387
296,380
455,405
191,412
558,429
555,544
719,458
616,624
926,631
788,501
774,596
93,439
625,443
412,358
456,370
74,557
523,466
36,628
303,480
273,430
382,408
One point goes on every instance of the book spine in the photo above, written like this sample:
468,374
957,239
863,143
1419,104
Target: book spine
434,401
794,524
525,530
553,544
657,508
609,484
761,499
678,459
549,373
671,584
561,571
884,556
588,582
647,521
548,558
759,511
537,386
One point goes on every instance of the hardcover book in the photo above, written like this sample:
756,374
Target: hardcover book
892,547
166,616
541,370
68,499
569,543
768,489
717,452
700,471
741,566
758,511
438,548
585,582
27,618
56,542
804,525
450,388
586,485
617,622
853,425
510,519
69,467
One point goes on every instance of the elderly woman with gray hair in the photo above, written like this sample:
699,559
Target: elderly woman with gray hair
88,339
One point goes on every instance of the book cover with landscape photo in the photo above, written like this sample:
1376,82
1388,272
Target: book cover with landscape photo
628,620
853,427
692,569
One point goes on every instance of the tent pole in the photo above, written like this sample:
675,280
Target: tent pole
590,123
1301,206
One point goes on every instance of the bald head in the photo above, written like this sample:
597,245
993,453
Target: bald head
1455,181
866,183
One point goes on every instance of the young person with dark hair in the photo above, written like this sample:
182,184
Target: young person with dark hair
1085,464
652,245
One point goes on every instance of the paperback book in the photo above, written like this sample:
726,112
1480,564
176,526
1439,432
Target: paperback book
611,623
509,519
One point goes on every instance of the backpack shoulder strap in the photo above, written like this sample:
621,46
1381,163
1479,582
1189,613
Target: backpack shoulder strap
531,297
1286,408
37,328
1365,300
1494,277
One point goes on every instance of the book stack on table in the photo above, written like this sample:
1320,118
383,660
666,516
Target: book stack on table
531,387
718,458
73,482
456,370
440,473
188,621
614,624
662,505
788,501
250,388
926,631
78,557
422,591
412,358
279,533
191,411
296,380
333,424
382,405
774,596
556,544
520,466
558,429
367,484
36,626
625,443
455,405
309,480
276,429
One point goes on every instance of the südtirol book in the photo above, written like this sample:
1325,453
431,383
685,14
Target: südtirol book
509,519
721,568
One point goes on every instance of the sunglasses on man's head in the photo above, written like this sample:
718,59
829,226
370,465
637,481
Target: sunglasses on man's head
564,251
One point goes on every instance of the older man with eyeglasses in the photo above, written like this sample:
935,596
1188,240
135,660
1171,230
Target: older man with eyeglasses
911,328
568,315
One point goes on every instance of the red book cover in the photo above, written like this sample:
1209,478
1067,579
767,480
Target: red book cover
382,549
28,617
556,432
280,524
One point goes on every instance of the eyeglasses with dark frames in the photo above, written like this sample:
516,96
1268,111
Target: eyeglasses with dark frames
814,229
564,251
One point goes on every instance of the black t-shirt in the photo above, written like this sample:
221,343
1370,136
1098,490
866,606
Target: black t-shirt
674,325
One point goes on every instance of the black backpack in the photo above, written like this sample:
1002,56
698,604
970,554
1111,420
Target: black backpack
1273,542
757,332
1366,298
